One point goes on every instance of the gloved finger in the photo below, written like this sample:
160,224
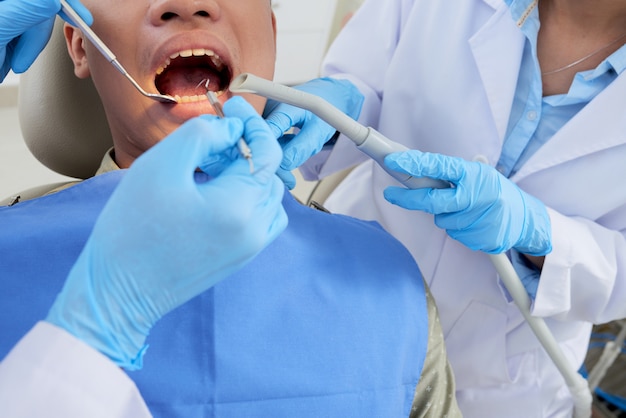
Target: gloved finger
5,65
458,220
345,95
266,153
491,240
190,146
287,178
308,142
424,164
283,117
260,208
214,165
82,11
17,16
285,139
435,201
30,44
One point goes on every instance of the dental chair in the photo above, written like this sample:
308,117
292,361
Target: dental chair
61,118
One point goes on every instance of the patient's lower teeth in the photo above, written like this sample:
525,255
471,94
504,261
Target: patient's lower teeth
190,99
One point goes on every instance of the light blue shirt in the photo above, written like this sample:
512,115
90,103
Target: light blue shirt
535,119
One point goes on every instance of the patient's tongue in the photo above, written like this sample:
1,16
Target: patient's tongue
188,81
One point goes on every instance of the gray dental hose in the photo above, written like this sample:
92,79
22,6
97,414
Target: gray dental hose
377,146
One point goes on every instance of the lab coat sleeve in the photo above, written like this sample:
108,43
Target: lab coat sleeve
376,25
50,373
583,278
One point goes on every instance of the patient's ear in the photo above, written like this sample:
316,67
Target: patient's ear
76,47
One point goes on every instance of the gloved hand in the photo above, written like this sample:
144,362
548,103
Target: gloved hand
25,28
314,132
485,210
164,237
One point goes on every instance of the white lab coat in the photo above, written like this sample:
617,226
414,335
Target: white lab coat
51,374
440,76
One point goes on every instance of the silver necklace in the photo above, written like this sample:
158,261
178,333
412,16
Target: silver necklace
586,57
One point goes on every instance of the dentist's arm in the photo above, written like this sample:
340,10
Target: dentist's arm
165,236
25,28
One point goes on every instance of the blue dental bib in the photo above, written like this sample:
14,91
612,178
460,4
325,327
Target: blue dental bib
330,320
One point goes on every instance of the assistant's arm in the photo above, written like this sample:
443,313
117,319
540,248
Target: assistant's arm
25,28
584,277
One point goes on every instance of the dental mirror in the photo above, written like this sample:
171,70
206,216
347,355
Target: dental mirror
108,54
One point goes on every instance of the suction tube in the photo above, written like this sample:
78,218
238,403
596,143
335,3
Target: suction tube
377,146
249,83
368,140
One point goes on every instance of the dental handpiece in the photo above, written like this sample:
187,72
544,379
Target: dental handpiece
242,145
367,139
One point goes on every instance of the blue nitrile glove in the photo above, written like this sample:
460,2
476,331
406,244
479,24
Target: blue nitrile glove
25,28
484,210
314,132
164,237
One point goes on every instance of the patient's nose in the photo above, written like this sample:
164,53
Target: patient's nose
162,11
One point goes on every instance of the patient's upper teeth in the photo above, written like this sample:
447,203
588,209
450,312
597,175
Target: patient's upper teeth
196,52
217,62
201,52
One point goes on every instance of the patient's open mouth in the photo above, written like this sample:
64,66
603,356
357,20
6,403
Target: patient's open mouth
183,75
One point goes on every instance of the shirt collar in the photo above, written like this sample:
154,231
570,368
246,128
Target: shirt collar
108,162
523,12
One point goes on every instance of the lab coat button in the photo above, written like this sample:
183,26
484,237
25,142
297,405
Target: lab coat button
531,115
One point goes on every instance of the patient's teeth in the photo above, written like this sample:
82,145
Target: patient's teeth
190,99
174,55
198,52
217,62
186,53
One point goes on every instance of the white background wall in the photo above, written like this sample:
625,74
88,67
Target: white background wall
304,30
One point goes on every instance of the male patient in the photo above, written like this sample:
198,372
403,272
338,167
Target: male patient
331,319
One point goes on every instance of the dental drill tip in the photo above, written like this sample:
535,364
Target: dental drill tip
242,145
217,106
246,153
204,82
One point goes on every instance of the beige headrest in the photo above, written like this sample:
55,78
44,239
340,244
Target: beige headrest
61,116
